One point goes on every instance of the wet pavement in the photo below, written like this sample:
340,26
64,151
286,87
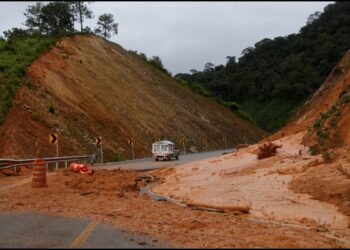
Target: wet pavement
36,230
150,164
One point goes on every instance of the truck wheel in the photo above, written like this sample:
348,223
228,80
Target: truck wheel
156,159
176,157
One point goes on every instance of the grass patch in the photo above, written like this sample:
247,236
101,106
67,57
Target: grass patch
270,115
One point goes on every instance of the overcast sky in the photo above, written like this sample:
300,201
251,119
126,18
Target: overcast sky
186,35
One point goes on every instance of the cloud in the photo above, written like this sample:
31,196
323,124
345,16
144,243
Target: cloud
186,35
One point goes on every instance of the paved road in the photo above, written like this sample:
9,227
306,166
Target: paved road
149,163
35,230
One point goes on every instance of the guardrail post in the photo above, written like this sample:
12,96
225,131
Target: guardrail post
47,167
66,163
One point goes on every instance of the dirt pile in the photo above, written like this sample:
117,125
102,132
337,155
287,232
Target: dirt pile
327,183
104,182
240,179
97,197
87,87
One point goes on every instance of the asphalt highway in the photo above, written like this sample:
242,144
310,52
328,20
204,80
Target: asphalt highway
149,163
35,230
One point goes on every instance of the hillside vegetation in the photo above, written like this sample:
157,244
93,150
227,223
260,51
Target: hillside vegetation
277,75
16,54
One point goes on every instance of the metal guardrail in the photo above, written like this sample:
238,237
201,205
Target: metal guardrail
9,163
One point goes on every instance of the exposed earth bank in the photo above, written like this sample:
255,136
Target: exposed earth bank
87,86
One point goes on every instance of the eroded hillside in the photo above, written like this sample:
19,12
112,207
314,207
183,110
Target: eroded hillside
335,87
87,87
296,186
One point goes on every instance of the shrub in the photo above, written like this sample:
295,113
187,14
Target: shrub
314,150
36,116
326,156
117,156
52,109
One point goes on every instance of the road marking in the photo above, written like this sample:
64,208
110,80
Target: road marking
84,235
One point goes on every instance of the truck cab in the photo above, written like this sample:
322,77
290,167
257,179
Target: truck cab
164,150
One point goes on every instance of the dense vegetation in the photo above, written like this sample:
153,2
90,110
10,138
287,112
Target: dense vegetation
16,54
277,75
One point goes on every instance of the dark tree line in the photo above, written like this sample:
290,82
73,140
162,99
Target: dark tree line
60,17
285,70
154,61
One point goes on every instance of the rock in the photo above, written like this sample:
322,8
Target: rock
343,170
27,107
87,192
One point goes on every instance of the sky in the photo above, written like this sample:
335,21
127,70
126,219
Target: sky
187,35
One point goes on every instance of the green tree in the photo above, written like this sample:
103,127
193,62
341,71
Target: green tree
275,76
56,17
157,62
16,32
34,17
106,26
208,66
81,11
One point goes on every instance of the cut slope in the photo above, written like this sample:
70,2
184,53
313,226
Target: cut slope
96,88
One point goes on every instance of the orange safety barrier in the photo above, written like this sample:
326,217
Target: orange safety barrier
80,168
39,174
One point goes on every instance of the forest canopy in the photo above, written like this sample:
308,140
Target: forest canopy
277,75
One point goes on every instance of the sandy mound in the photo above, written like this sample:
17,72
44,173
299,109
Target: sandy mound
97,197
239,180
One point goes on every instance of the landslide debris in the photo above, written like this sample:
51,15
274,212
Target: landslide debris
296,186
267,150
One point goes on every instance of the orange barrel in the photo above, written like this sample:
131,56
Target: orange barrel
84,168
39,173
75,167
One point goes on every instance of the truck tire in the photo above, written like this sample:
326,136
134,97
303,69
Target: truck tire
177,157
156,159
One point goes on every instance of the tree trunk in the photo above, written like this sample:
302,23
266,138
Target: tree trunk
81,16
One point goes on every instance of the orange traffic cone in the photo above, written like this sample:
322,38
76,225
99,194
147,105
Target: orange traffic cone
39,173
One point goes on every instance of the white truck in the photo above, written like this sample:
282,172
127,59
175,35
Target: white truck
164,150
